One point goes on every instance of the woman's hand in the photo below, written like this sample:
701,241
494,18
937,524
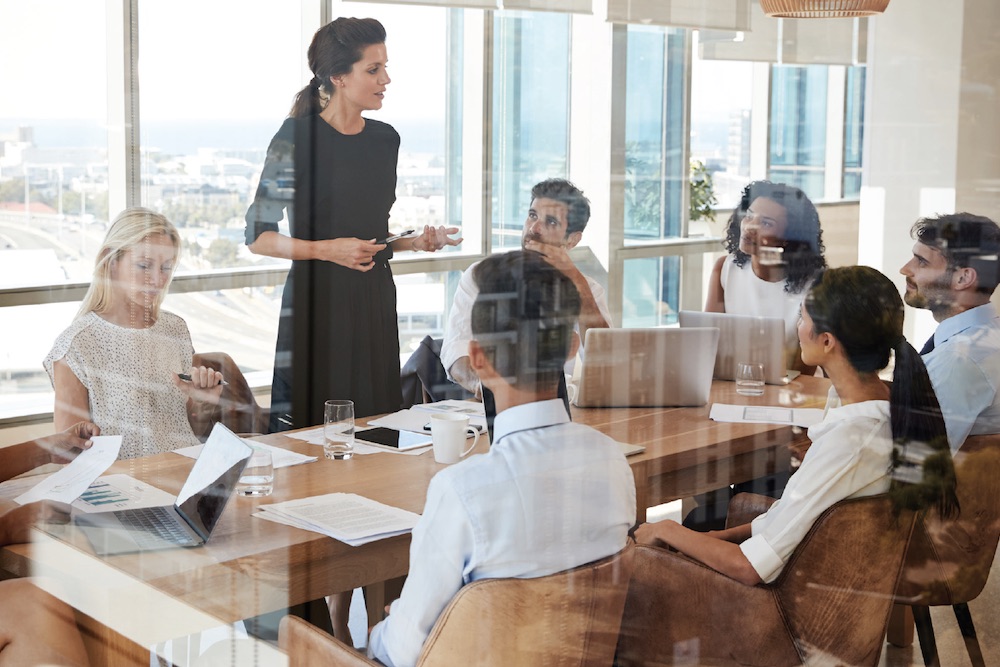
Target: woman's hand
205,385
435,238
657,534
353,253
65,446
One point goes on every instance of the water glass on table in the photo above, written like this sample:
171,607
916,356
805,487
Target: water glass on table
749,378
258,477
338,429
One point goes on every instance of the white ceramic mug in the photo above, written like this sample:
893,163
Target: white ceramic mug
448,433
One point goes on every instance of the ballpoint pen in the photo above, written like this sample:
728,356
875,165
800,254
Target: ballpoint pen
187,378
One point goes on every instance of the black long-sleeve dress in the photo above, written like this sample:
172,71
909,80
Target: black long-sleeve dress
338,334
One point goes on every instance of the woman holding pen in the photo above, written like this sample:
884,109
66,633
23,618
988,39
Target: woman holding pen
337,337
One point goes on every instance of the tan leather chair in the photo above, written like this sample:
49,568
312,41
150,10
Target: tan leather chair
237,409
949,561
564,619
830,604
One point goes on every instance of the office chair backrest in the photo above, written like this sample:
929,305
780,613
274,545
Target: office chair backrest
949,561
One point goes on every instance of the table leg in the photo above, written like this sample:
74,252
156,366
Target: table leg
900,632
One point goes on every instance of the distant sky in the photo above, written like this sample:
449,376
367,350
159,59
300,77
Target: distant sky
200,59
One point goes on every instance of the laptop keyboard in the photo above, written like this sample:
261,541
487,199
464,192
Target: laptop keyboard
151,525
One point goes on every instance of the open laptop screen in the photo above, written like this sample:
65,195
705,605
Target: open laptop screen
212,480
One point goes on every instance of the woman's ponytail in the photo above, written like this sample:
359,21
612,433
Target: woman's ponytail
307,101
923,474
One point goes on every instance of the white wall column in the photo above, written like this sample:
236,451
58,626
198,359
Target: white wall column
932,139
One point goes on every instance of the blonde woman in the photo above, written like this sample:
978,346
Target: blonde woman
117,364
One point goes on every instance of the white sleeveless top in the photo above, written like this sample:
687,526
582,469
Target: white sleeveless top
127,374
746,294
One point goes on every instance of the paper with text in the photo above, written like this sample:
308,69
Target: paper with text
67,484
764,414
121,492
347,517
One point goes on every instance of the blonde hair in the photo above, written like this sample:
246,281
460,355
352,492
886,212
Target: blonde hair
128,230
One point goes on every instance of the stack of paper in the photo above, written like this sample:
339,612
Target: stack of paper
416,417
763,414
352,519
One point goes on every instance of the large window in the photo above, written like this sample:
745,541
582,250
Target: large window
721,107
530,113
486,105
798,127
654,133
854,130
53,175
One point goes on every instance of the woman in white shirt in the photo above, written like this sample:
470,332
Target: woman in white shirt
852,318
775,247
117,364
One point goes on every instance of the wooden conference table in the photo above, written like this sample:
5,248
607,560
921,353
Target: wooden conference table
252,566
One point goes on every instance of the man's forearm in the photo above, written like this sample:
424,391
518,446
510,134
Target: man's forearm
461,373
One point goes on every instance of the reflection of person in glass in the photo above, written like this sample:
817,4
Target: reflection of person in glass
339,303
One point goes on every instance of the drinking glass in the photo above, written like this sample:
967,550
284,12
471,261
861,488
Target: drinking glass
258,477
338,429
749,378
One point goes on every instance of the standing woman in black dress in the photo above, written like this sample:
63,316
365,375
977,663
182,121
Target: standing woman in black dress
337,336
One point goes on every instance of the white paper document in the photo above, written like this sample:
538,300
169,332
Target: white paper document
67,484
418,416
282,458
121,492
764,414
350,518
314,436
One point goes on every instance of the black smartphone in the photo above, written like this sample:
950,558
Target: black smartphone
427,427
390,437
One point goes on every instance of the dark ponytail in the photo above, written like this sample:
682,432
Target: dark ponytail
863,310
923,474
334,49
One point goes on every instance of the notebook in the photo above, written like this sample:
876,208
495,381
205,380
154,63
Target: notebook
744,338
191,520
647,367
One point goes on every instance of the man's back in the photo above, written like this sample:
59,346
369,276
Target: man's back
550,495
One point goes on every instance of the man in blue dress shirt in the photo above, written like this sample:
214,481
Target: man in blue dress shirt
953,273
550,495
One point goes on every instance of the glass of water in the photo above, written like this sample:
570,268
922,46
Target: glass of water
749,379
338,429
258,477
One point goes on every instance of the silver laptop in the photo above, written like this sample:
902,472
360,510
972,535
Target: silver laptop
744,338
625,368
191,520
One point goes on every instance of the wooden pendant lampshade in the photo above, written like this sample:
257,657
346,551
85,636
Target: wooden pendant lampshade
825,9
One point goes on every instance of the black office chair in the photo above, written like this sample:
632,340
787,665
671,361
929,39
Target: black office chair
424,379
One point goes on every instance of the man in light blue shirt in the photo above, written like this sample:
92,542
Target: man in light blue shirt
953,273
550,495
